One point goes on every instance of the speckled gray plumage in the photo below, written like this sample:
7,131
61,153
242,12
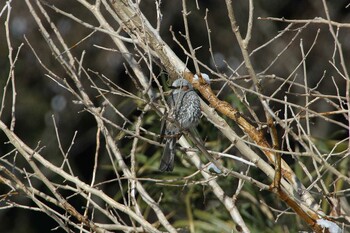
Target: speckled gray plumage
184,105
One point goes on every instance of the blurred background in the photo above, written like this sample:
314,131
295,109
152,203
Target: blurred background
39,98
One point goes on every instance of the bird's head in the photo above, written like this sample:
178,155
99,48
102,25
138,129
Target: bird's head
182,84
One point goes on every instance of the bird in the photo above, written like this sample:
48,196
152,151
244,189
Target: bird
184,112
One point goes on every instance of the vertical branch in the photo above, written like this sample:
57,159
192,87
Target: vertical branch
342,63
189,211
188,40
133,189
242,45
12,62
250,24
209,39
94,171
159,14
268,113
278,160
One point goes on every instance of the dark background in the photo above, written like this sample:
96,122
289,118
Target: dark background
39,98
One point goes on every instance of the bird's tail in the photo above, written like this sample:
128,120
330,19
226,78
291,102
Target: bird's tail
167,162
